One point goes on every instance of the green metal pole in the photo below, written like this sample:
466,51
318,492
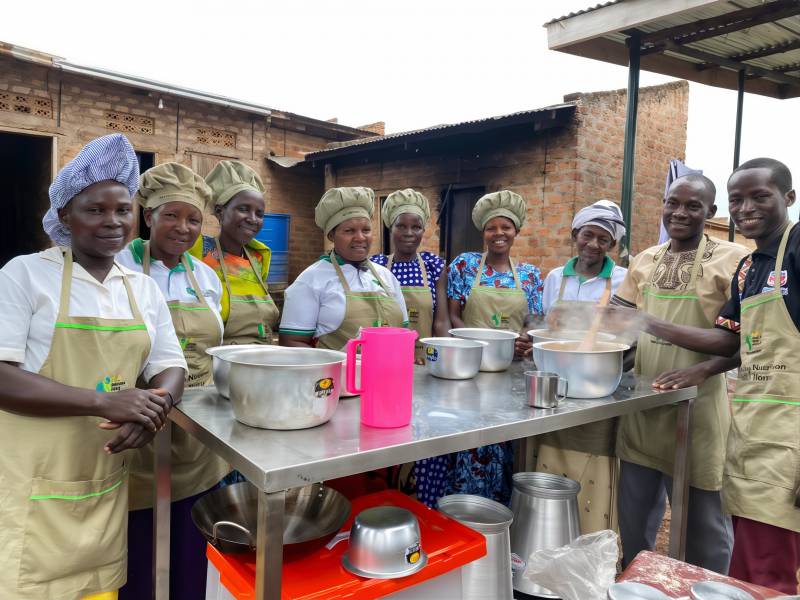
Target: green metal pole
737,143
629,151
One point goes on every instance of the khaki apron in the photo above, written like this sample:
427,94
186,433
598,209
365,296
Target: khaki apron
419,305
762,467
585,454
194,467
361,309
647,438
495,308
251,319
63,500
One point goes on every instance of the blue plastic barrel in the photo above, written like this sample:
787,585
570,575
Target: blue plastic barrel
275,234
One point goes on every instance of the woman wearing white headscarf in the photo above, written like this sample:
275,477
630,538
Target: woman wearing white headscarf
586,453
78,331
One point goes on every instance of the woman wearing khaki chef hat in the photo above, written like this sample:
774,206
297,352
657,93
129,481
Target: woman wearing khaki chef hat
343,291
174,199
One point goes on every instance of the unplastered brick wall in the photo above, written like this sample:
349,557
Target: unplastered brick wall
558,171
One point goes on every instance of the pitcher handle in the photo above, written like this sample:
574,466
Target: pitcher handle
559,395
350,371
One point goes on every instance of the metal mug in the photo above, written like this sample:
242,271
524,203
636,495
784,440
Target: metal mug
544,390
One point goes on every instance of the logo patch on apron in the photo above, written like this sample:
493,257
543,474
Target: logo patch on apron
110,383
413,315
752,340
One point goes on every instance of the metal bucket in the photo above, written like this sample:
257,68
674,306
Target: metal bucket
488,578
545,509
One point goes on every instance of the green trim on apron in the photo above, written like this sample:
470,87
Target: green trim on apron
251,319
647,438
361,309
493,308
419,305
762,467
195,468
65,500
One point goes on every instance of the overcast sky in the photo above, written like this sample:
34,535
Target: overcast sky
410,63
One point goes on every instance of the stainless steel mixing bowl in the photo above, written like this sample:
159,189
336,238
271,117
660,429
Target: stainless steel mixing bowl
221,366
384,544
562,335
589,374
452,358
285,388
499,353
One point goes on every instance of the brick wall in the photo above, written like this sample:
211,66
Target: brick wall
557,172
173,134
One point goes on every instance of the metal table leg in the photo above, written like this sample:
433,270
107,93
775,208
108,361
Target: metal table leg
161,512
269,545
680,482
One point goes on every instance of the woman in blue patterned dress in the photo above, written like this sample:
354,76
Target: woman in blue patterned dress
489,290
423,283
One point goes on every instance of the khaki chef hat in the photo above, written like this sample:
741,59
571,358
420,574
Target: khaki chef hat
339,204
172,182
229,178
499,204
405,201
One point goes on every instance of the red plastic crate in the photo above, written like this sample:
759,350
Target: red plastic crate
320,575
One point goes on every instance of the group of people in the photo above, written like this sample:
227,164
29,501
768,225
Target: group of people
103,334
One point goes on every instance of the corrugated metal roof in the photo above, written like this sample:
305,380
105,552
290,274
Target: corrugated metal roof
584,11
713,59
445,129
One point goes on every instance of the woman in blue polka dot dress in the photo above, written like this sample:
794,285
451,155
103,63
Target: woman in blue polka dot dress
423,282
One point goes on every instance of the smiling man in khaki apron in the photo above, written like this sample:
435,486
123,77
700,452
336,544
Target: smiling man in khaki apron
761,320
78,330
174,198
685,281
241,261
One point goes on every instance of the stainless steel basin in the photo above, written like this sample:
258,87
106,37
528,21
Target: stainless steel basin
499,353
589,374
452,358
285,388
560,335
221,365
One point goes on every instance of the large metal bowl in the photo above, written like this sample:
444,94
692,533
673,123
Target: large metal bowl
228,516
384,544
221,365
285,388
452,358
499,353
563,335
589,374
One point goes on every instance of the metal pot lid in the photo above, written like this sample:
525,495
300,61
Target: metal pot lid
632,590
348,566
478,513
546,485
716,590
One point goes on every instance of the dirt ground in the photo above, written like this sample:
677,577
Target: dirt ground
662,539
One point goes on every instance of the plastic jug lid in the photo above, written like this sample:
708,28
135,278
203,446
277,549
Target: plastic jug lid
481,514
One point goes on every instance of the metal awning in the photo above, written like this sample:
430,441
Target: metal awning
707,41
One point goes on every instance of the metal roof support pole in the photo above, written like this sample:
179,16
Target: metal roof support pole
629,151
737,141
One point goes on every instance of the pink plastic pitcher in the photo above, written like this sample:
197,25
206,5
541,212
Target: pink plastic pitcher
387,375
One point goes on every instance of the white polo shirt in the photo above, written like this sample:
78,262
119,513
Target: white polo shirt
30,288
575,289
174,283
314,304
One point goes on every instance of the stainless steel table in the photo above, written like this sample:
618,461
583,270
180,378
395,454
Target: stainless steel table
448,416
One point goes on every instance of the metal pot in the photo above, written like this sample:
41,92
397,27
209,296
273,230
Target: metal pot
545,509
220,356
563,335
285,388
228,516
633,590
384,544
452,358
488,578
499,353
590,374
717,590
